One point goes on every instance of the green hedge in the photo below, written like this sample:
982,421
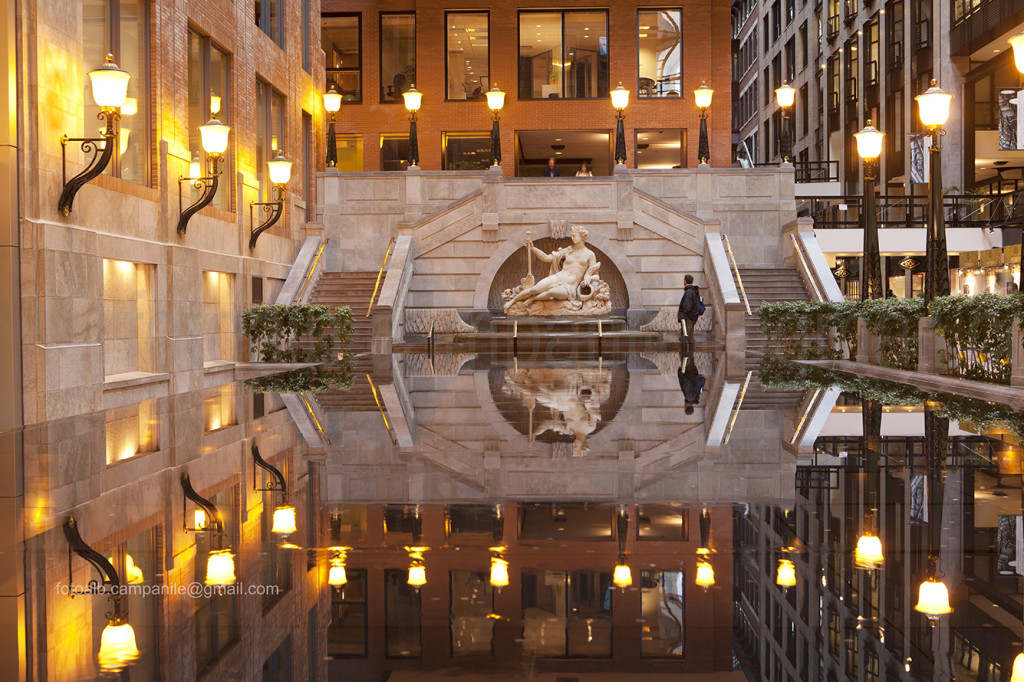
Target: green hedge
978,332
803,329
274,331
307,380
894,322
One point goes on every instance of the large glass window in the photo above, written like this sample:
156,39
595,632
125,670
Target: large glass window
270,19
346,635
401,616
563,54
350,153
340,38
120,28
394,152
209,94
269,133
472,600
468,62
661,52
567,614
661,607
397,55
466,151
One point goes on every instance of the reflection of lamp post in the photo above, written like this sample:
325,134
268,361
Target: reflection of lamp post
109,91
413,98
284,515
869,146
785,95
622,577
214,137
705,571
220,565
495,102
332,103
417,567
868,553
702,98
934,110
280,173
933,599
336,575
620,100
117,642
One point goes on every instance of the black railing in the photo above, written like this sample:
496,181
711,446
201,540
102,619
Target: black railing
961,210
895,59
965,9
811,171
832,28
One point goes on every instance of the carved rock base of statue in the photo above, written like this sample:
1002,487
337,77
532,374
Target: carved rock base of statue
594,299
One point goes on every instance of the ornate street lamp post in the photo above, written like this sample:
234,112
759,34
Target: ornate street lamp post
413,98
495,101
332,103
620,100
785,95
702,98
869,147
934,110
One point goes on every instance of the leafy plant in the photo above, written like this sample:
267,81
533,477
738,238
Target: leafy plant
296,332
894,321
978,330
307,380
803,329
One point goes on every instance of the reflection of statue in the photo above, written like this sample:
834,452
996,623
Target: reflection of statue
572,287
572,396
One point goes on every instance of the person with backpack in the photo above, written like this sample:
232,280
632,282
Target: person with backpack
691,307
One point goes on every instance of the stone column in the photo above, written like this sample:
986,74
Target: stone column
929,347
867,344
1016,354
10,252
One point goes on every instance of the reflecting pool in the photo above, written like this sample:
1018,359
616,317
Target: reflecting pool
633,516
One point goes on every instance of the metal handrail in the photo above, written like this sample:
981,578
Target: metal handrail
736,408
380,273
807,268
312,271
739,280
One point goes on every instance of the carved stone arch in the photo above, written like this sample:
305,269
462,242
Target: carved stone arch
504,250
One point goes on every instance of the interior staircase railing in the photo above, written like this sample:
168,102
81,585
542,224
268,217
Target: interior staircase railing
736,270
380,274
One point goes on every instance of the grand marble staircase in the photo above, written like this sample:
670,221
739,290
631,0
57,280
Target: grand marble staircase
769,285
353,289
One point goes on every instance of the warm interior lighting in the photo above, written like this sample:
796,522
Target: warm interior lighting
220,568
124,134
1018,663
133,574
337,577
786,574
332,100
1017,43
785,95
199,519
214,136
417,575
109,85
413,98
495,98
702,96
933,599
194,168
868,554
620,97
130,106
214,104
869,141
934,106
705,574
280,169
622,576
499,572
117,647
284,520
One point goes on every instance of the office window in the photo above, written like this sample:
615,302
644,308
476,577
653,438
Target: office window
209,94
661,609
472,599
776,20
567,614
350,153
790,60
305,35
563,54
894,35
833,20
307,164
850,73
120,28
346,634
466,151
269,133
871,49
402,616
397,55
340,39
468,63
765,29
661,52
790,11
270,19
803,45
394,152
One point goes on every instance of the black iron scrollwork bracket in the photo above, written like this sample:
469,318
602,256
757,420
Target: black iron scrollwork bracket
206,505
274,208
278,483
111,582
208,184
102,150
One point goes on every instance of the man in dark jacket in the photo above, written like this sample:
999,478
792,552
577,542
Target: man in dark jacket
551,170
689,311
691,382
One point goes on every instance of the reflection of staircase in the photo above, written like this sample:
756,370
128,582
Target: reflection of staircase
357,399
758,398
769,285
353,289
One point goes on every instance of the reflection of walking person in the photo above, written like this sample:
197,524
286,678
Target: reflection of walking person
691,307
691,382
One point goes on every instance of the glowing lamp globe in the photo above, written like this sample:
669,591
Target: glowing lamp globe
933,599
869,142
337,576
130,106
284,519
495,98
702,96
214,135
109,85
499,572
413,98
785,576
622,576
332,100
117,647
868,554
705,574
620,97
934,106
220,568
199,516
280,169
785,95
1017,43
1018,669
417,575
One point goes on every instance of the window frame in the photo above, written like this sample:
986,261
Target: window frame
380,52
448,135
682,52
208,45
562,12
359,32
264,18
262,175
484,88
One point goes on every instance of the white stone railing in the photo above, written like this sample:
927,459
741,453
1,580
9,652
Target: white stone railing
389,312
725,298
803,252
305,271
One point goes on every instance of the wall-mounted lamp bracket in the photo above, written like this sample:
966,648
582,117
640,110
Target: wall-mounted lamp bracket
102,150
207,184
278,483
274,208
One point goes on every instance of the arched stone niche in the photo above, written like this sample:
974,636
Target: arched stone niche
509,274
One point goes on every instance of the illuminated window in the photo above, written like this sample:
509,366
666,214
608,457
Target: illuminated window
269,133
660,41
402,615
466,151
567,613
350,153
397,56
218,317
472,599
129,321
563,54
661,610
394,152
208,94
340,39
467,49
346,634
